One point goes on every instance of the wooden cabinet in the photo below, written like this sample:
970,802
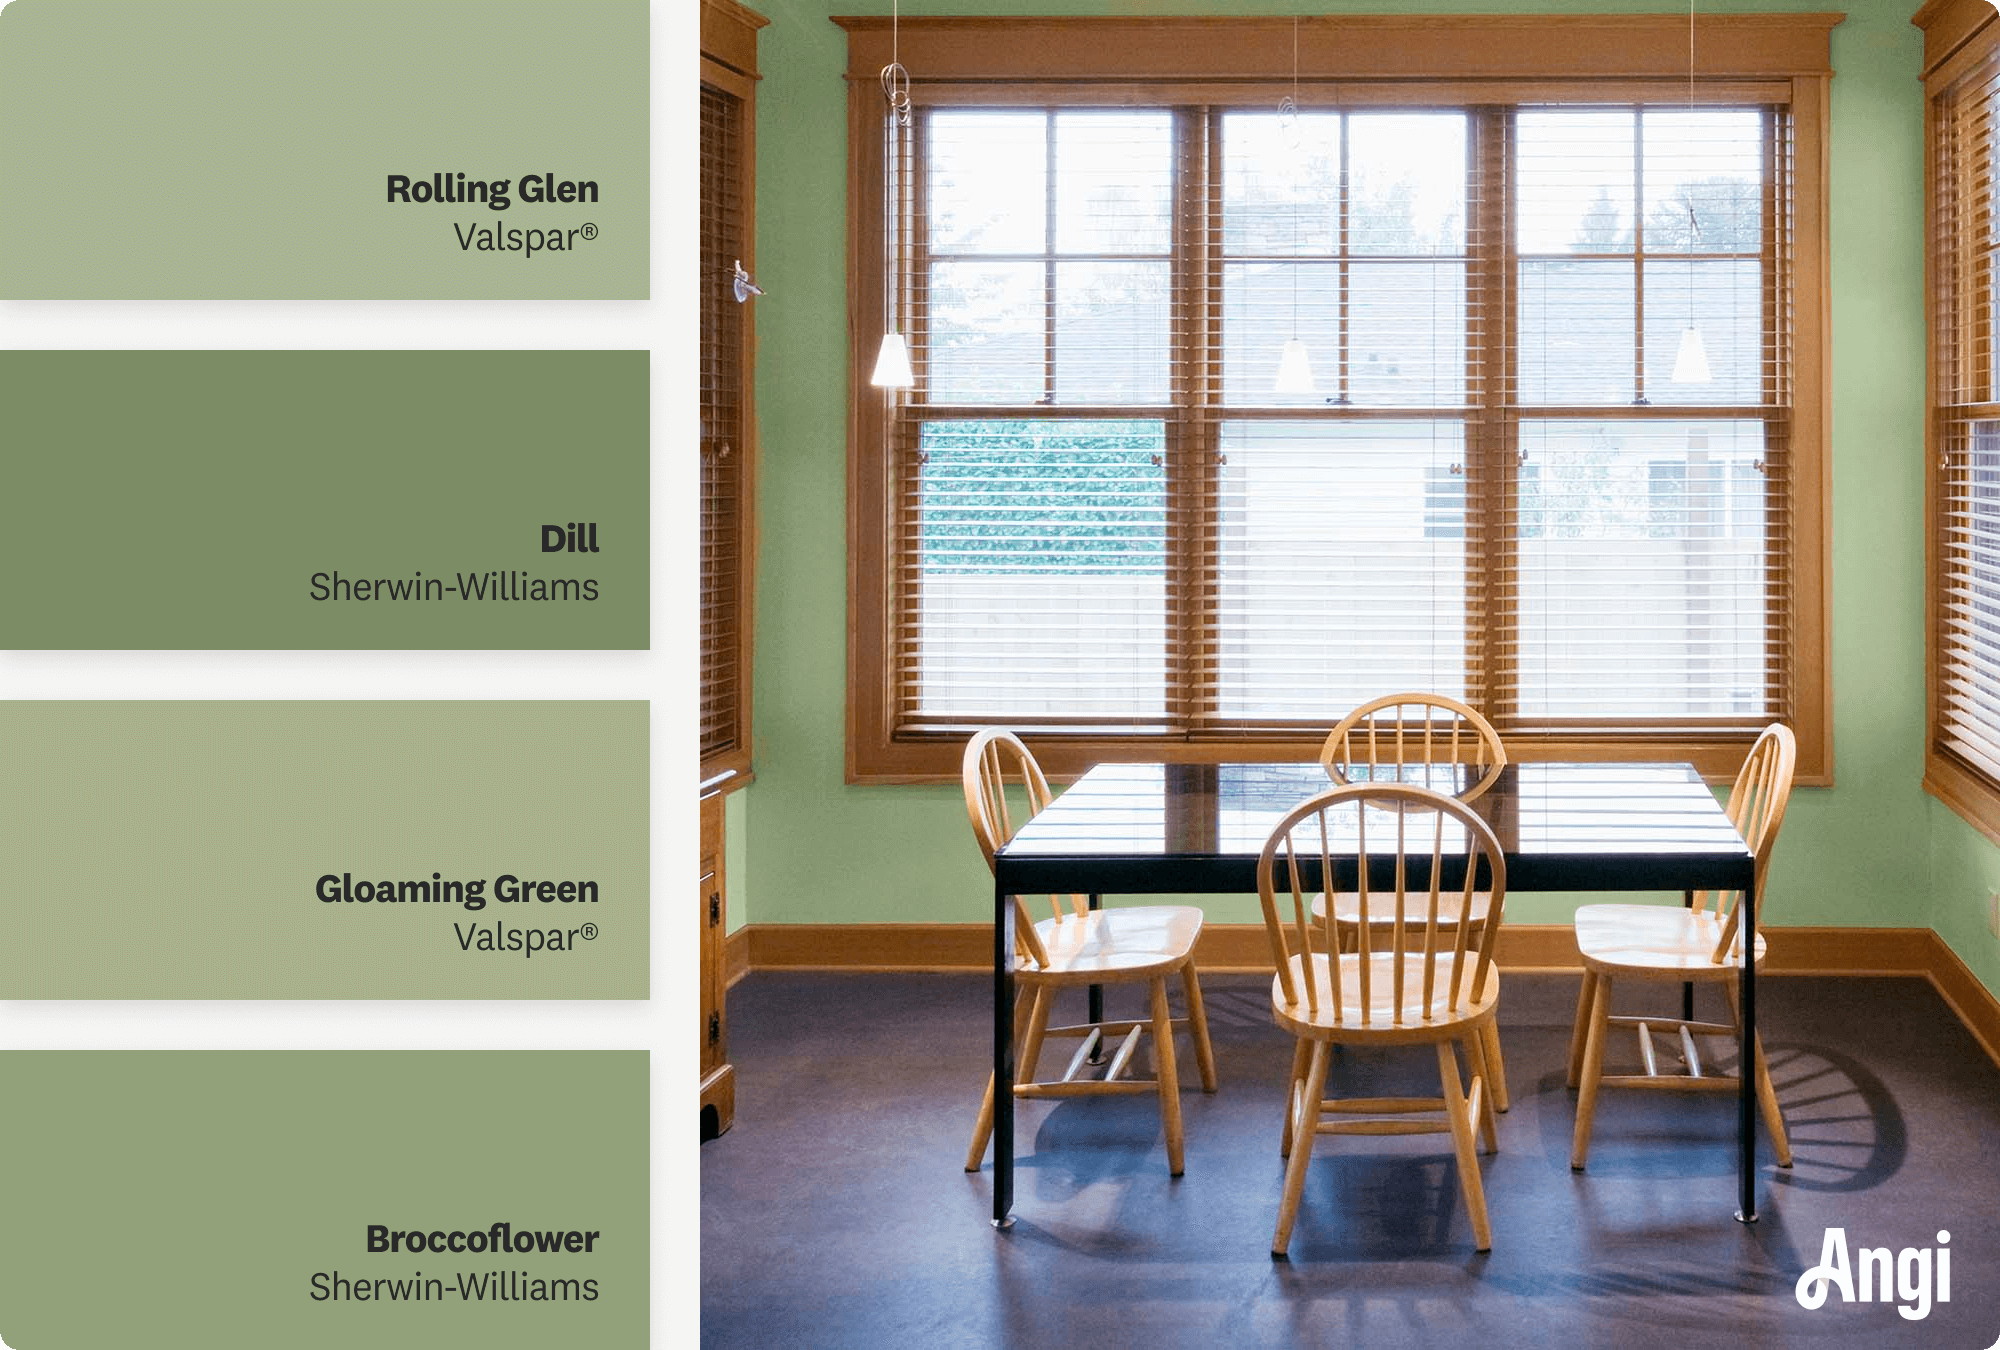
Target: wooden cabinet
718,1076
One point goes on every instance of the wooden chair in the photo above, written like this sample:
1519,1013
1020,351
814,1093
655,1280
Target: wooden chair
1702,944
1411,737
1081,946
1426,984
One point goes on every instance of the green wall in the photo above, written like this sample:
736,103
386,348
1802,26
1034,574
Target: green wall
1859,853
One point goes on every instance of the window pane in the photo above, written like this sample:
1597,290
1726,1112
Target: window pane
1575,182
1111,332
1041,570
1576,338
1114,182
1725,297
1280,183
1643,581
988,182
1263,305
1713,163
1407,333
1342,565
1408,172
988,338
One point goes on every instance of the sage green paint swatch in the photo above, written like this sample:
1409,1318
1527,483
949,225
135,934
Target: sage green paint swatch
185,1198
243,149
175,850
191,499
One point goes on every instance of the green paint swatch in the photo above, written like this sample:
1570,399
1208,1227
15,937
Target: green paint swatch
276,850
192,1198
252,149
325,499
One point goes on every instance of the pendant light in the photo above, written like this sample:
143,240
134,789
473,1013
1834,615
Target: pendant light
892,361
1294,366
1691,362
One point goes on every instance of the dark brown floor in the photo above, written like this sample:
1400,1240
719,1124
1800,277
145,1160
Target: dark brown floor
836,1213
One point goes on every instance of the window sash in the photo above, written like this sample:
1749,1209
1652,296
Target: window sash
725,481
1201,714
1962,748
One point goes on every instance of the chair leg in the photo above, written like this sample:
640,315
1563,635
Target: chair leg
1593,1068
1204,1054
1479,1061
1496,1067
982,1131
1767,1095
1469,1180
1301,1061
1165,1071
1038,1028
1304,1125
1580,1033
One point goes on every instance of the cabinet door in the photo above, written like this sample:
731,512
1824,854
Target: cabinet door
712,913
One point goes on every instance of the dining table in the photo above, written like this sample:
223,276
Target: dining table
1197,829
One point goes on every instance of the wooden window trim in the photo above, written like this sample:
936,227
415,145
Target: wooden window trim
1121,60
729,64
1960,37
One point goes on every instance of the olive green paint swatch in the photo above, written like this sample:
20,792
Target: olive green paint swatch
348,499
249,149
186,1198
349,850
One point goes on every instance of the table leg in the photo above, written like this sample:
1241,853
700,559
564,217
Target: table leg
1687,986
1003,1058
1746,1067
1096,1014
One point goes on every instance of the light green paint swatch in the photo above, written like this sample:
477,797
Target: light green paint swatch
178,850
244,149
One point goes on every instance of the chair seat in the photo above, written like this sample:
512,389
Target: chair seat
1344,1022
1669,940
1127,941
1382,910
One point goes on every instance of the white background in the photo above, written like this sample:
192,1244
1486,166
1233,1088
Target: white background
666,676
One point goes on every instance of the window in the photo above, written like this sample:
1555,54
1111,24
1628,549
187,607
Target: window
729,67
1962,751
1097,519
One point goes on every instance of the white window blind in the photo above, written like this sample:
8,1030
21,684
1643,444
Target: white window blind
1966,413
1107,516
724,455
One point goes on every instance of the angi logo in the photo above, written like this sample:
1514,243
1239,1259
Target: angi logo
1869,1279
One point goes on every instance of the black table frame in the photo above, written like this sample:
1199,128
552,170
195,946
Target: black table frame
1020,870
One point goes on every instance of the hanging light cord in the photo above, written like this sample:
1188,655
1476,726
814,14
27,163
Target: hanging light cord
1694,225
896,90
895,79
1289,108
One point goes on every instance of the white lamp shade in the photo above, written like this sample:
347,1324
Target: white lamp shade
1295,374
892,364
1691,366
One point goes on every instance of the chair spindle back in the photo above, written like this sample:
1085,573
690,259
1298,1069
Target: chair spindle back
1756,808
993,759
1392,822
1416,730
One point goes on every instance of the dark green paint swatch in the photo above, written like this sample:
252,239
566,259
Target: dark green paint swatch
324,500
189,1198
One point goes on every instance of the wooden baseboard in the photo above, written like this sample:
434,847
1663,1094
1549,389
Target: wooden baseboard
1965,995
1243,948
736,956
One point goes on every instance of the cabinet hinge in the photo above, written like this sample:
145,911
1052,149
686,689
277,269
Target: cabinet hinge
714,1028
714,908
